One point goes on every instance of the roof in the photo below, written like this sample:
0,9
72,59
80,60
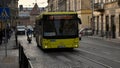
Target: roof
35,10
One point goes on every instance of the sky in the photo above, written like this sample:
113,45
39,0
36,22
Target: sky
30,3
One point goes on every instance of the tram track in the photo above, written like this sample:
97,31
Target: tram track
107,63
91,63
75,59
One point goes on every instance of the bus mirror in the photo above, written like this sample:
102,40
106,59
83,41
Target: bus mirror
79,20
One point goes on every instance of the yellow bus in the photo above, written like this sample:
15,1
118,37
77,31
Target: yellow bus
57,30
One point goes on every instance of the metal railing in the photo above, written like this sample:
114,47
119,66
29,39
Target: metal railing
23,60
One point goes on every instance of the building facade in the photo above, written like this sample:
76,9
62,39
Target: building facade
34,12
107,18
24,16
27,15
83,7
53,5
13,6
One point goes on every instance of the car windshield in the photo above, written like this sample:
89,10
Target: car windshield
20,27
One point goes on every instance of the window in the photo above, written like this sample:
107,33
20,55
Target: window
107,23
113,26
97,25
119,25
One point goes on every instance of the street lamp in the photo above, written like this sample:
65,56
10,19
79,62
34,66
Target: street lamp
14,17
16,38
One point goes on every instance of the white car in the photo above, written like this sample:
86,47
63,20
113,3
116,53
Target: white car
85,32
21,30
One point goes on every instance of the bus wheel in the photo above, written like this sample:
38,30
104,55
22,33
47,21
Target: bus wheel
71,48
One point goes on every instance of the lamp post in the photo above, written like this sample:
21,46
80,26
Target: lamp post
14,12
5,32
15,20
16,38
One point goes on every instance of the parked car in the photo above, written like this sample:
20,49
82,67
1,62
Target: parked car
85,32
88,32
21,30
80,36
80,33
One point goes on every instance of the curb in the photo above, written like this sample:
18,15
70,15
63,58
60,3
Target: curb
106,39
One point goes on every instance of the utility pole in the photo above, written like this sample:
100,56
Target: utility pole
5,32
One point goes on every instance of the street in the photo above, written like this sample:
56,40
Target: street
86,33
92,53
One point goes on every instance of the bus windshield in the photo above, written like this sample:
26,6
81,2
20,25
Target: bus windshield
60,28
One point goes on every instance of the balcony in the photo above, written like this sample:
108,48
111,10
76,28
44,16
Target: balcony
99,7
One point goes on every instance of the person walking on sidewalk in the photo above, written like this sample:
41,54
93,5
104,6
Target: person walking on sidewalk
1,37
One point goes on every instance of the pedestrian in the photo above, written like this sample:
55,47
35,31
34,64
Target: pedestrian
4,35
0,37
107,30
7,33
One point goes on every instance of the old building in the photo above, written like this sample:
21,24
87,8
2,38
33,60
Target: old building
107,18
34,12
13,6
27,15
53,5
83,7
24,16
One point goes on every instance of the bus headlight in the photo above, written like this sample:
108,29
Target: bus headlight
76,45
46,46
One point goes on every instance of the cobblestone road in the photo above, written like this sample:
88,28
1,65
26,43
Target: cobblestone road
77,58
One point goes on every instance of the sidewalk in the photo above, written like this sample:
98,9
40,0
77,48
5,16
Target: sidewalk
117,40
12,58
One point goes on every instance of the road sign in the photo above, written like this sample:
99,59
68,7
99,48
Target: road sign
4,13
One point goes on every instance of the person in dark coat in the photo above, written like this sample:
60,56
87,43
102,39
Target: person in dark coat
0,37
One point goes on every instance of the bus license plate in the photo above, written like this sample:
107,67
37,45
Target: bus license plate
61,46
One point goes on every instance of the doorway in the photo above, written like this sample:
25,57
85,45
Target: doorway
113,27
107,26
